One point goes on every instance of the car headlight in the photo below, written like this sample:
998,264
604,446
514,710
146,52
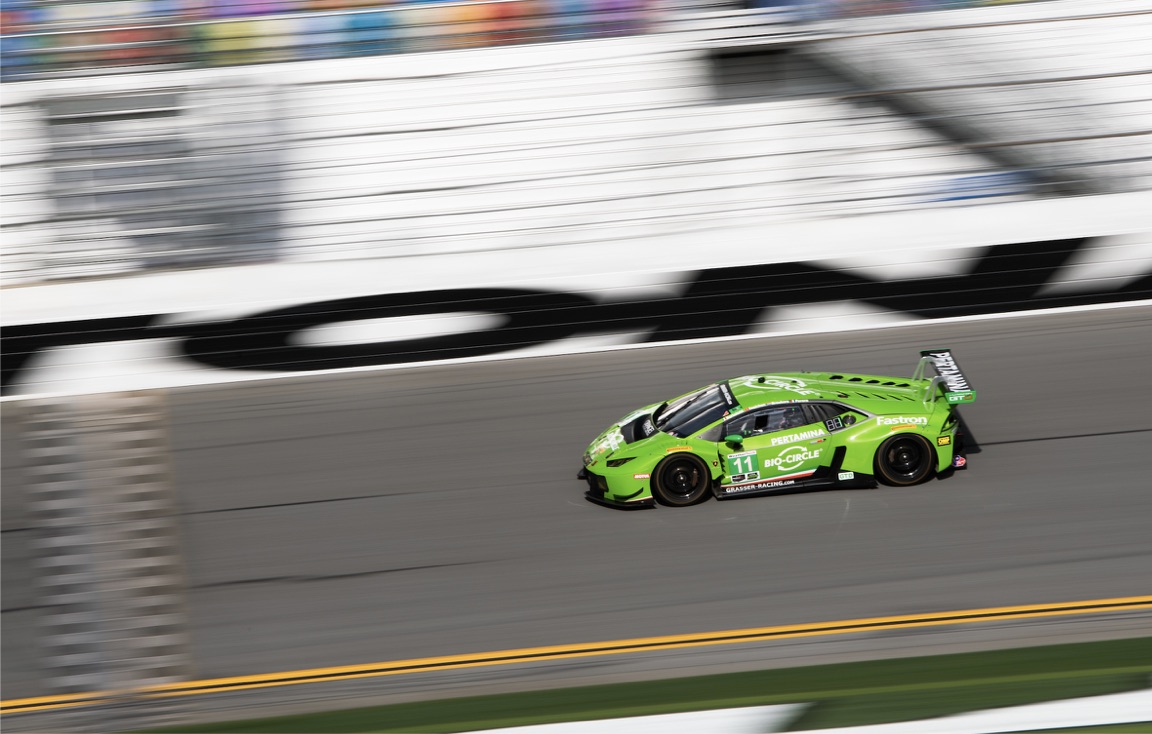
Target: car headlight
613,463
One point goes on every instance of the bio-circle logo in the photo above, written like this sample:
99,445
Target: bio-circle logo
791,458
769,382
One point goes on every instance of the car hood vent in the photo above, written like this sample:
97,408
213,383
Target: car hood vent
869,381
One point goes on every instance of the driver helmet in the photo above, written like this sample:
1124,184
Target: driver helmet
793,417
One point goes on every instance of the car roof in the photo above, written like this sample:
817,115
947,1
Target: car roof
874,393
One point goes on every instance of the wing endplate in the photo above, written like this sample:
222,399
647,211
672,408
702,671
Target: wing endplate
957,388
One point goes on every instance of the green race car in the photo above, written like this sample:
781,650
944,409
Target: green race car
780,433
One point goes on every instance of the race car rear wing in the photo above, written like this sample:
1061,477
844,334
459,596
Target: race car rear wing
957,389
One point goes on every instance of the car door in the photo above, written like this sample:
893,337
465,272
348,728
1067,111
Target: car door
779,446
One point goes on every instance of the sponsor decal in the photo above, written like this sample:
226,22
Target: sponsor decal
944,441
801,436
714,303
610,442
647,427
641,476
758,486
947,368
726,392
791,458
902,420
746,477
741,463
844,476
959,461
674,449
768,382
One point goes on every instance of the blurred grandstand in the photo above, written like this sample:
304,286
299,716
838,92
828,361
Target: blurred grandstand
147,134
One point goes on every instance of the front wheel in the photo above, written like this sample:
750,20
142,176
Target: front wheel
905,460
681,480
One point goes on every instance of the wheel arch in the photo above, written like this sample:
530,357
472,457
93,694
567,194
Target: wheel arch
710,474
886,475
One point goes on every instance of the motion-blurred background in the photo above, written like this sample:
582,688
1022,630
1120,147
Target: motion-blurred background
154,134
201,195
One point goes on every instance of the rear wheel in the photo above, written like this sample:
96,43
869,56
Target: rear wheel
681,480
905,460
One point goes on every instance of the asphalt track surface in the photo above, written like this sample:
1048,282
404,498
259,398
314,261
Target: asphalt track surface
435,511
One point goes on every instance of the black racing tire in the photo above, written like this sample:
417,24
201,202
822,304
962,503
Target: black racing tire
905,459
680,480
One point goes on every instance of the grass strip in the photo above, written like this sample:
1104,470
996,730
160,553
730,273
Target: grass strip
1138,728
914,704
903,688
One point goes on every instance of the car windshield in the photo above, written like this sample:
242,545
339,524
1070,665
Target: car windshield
687,415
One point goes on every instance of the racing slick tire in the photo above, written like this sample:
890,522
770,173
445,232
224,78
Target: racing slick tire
905,459
681,480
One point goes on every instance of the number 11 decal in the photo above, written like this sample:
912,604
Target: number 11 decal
742,463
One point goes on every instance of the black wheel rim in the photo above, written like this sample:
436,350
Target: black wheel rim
682,478
905,458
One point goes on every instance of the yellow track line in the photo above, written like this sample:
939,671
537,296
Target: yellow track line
560,652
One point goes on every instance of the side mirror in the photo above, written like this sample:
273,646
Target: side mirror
734,438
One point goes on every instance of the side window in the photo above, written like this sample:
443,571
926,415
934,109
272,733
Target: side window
743,424
822,411
767,420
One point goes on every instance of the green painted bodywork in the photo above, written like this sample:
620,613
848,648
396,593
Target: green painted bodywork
883,406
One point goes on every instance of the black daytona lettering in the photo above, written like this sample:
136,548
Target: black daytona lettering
719,302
